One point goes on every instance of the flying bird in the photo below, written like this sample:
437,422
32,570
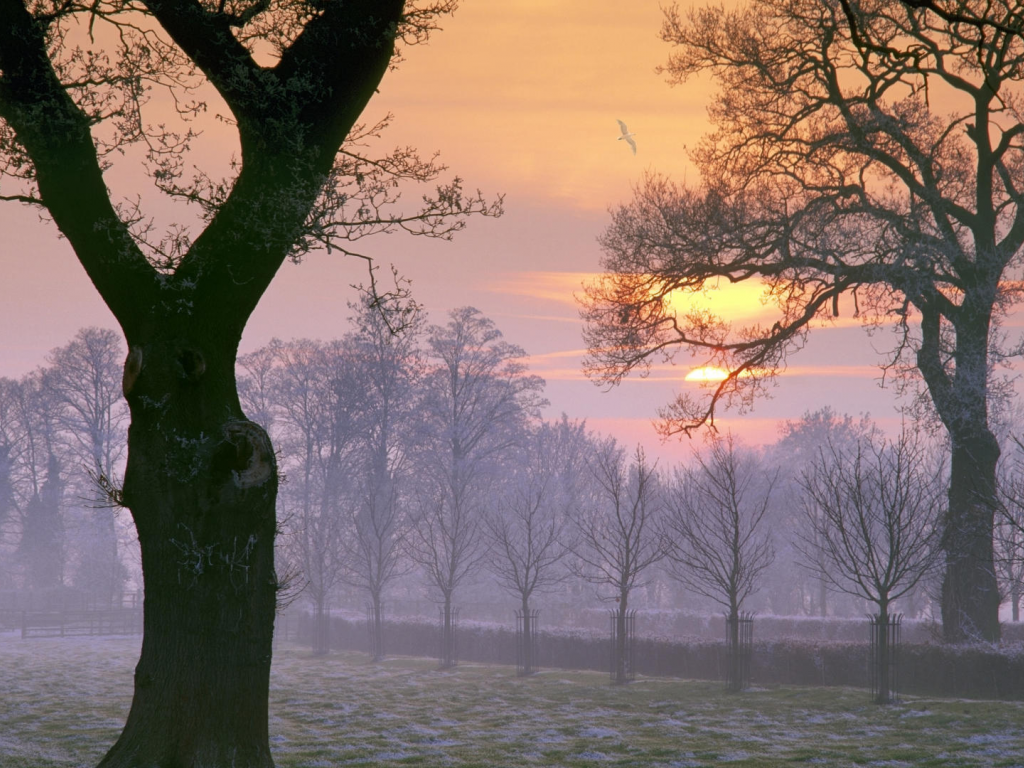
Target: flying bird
627,136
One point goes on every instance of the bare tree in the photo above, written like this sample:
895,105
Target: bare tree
388,367
38,482
316,406
1009,541
256,379
867,151
719,546
799,445
9,435
619,537
11,452
1009,538
84,379
291,80
874,511
478,400
530,524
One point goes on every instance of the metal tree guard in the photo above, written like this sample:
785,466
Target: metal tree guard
375,631
526,641
448,655
886,636
739,651
623,650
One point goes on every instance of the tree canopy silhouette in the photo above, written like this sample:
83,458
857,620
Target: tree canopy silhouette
88,87
863,150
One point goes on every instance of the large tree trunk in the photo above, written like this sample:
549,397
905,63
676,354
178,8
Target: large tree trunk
970,592
201,483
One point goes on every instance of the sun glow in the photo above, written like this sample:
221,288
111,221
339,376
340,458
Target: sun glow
706,373
733,302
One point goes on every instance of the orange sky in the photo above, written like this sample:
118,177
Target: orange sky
521,97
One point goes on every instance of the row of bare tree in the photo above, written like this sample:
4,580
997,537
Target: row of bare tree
424,451
62,445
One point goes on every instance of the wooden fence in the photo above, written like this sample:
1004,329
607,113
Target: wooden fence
112,621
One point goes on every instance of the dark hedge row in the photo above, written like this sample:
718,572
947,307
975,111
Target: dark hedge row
976,671
671,623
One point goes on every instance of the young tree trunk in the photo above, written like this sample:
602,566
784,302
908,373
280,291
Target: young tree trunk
448,659
970,592
735,681
620,651
883,695
201,484
377,633
527,638
1015,601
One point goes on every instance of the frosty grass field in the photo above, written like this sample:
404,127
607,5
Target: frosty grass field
62,702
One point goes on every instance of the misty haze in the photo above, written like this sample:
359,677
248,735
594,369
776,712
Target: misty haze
363,401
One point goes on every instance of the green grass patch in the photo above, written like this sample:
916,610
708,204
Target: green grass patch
62,703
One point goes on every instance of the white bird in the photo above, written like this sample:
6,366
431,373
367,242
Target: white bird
627,136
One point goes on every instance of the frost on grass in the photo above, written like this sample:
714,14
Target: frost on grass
64,700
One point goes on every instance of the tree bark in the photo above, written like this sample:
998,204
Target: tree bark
201,483
970,592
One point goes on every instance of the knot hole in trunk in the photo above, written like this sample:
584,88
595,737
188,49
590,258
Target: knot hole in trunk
252,463
193,366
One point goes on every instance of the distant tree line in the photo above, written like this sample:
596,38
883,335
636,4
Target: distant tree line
417,464
62,445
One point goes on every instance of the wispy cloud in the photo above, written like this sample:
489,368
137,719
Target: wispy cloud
553,366
665,372
560,287
737,303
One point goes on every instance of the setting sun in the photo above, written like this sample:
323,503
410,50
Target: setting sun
706,373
